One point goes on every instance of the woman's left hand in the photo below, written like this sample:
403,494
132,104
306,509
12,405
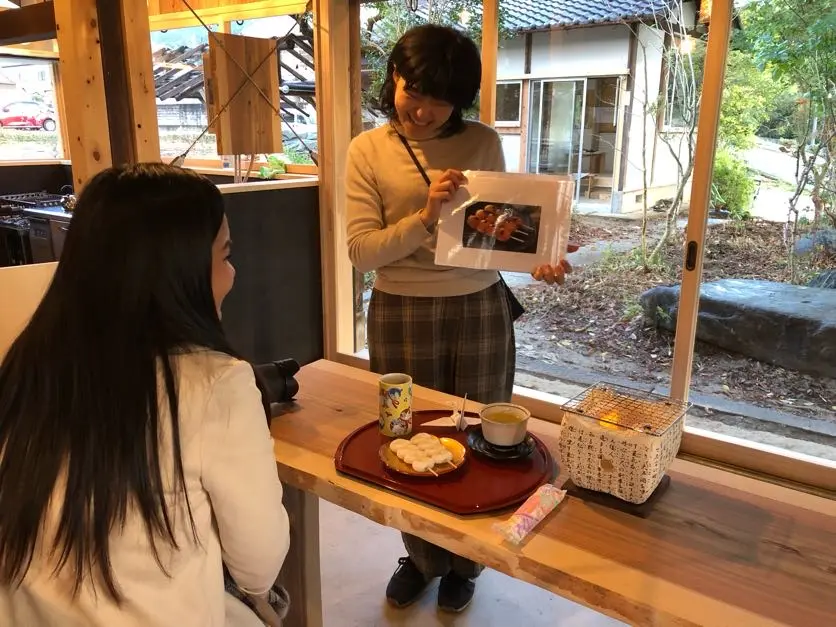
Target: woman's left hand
555,274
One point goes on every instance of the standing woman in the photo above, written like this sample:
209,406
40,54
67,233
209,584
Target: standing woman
451,329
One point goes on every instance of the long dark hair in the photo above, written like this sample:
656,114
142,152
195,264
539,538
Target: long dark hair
439,62
79,387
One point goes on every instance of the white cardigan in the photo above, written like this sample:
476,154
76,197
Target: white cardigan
236,501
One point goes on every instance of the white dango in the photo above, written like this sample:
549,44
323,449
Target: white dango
411,458
398,444
422,465
408,450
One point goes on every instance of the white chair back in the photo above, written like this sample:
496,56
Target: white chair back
21,291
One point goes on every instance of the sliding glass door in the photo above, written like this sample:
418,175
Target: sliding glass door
555,140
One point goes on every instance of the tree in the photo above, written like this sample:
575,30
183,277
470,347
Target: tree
392,19
676,105
749,96
796,41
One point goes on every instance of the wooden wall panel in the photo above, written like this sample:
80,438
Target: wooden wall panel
250,124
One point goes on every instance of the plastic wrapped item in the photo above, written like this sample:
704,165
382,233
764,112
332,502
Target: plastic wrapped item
506,221
530,513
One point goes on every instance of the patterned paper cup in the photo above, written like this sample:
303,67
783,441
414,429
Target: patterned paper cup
395,418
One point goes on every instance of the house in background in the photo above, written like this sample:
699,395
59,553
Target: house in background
8,89
573,83
26,80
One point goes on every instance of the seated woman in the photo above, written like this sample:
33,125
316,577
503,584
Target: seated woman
135,458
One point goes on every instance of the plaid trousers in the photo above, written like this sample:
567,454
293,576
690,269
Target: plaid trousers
454,344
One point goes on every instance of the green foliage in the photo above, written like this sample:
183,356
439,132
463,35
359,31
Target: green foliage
796,40
393,18
732,185
275,166
749,95
782,117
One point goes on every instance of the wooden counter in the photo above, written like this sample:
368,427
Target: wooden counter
719,549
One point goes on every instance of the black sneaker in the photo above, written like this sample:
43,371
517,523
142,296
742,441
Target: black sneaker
407,584
455,593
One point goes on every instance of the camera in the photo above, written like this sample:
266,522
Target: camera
278,380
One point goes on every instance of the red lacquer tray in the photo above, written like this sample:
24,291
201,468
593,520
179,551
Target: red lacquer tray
481,485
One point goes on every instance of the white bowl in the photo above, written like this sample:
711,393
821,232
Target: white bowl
504,433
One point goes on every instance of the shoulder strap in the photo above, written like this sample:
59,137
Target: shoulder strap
414,159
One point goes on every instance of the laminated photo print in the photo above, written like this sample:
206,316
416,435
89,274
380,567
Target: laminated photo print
506,221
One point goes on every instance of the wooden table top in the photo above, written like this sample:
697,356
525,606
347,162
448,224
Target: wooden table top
719,548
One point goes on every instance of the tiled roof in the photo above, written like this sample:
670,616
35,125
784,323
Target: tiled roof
525,15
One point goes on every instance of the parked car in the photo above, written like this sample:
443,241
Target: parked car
26,114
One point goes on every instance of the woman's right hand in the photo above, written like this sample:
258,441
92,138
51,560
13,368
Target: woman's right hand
440,192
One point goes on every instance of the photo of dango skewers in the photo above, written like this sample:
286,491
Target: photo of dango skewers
502,226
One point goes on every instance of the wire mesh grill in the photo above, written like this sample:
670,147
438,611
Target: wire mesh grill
644,412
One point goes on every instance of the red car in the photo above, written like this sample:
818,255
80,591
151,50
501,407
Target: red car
27,115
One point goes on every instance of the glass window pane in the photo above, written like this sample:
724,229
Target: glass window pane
28,115
508,101
615,318
181,107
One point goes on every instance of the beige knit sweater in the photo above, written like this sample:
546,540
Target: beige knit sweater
385,192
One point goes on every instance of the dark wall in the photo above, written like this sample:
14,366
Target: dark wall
24,179
220,179
275,309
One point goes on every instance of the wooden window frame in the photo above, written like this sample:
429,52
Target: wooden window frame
332,17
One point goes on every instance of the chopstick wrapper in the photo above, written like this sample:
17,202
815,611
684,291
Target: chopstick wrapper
453,421
458,419
530,513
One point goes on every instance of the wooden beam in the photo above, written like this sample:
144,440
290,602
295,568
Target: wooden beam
162,17
82,76
332,34
35,22
115,70
709,115
47,49
129,80
140,71
490,48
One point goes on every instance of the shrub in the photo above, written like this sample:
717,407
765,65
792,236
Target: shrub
733,187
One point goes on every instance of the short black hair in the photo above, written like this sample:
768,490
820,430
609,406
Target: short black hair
436,61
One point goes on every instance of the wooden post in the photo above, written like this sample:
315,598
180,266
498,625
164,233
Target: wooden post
709,116
139,66
355,63
82,75
60,111
490,49
300,573
332,34
107,78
